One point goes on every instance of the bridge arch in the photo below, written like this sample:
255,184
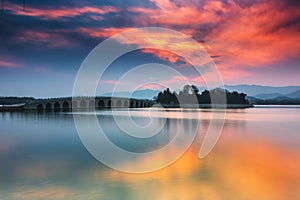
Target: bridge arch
92,103
82,104
74,104
125,105
131,104
101,104
119,104
56,106
65,106
48,106
110,104
40,107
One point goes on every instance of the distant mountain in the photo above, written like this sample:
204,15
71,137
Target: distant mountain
251,99
138,94
268,96
294,95
253,90
278,96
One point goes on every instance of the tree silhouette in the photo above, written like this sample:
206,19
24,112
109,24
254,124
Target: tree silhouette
189,92
194,89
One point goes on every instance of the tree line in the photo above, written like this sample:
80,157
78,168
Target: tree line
190,95
15,100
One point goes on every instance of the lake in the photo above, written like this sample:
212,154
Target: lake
256,157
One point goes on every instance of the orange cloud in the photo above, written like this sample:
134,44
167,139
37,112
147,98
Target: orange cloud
257,35
165,55
245,36
163,41
101,32
250,36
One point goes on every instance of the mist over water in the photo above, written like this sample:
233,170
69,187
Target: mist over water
256,157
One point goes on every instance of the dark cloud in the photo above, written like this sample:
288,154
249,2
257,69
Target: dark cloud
291,23
203,30
292,2
245,3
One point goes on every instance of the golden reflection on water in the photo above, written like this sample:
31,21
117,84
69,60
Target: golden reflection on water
243,168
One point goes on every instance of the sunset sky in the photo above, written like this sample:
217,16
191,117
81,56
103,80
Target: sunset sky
44,44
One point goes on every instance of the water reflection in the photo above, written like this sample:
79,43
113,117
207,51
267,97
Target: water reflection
256,157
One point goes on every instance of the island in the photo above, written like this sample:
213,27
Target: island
189,96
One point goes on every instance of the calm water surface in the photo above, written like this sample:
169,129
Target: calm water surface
256,157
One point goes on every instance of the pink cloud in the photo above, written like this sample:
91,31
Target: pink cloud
9,64
152,86
239,75
57,13
170,13
48,38
110,82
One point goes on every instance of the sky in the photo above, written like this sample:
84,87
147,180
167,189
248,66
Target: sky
43,43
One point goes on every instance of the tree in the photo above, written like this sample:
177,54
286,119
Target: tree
186,89
194,89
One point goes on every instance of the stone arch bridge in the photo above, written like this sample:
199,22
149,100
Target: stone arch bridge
81,103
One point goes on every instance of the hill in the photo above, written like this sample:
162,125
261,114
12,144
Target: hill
294,95
253,90
268,95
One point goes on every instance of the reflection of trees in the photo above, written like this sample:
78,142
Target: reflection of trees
191,91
